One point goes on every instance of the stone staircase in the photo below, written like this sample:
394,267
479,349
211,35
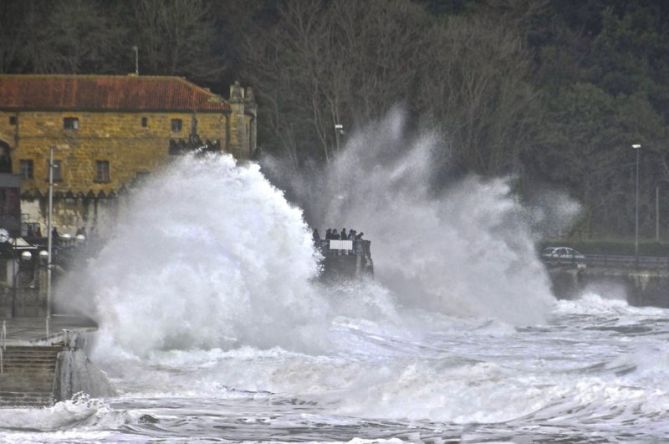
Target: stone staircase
27,376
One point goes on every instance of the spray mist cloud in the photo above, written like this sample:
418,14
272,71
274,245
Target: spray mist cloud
464,251
210,254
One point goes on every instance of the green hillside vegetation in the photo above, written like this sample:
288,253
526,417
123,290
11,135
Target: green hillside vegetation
553,92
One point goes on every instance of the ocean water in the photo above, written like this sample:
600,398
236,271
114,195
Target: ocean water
596,371
213,326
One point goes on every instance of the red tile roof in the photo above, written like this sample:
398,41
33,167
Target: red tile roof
105,93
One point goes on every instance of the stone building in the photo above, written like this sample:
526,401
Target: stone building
108,133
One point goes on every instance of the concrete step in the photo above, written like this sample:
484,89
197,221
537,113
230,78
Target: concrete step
32,348
20,359
30,386
42,368
7,357
27,362
28,369
24,376
12,369
32,355
26,383
37,377
28,358
23,362
28,375
25,399
45,386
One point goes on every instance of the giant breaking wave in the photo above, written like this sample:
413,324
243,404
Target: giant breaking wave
209,254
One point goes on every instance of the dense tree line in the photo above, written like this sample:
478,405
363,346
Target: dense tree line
554,92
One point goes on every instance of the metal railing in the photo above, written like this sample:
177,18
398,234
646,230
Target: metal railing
337,247
655,263
620,261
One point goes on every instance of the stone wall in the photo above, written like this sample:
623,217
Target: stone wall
118,138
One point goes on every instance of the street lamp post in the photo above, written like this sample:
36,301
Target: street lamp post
136,50
636,147
49,242
24,257
657,213
339,130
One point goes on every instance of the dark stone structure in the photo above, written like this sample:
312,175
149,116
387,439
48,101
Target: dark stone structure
344,260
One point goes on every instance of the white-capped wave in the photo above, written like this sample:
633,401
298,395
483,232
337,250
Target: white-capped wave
81,413
590,303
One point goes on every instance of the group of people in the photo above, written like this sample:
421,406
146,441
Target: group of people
333,234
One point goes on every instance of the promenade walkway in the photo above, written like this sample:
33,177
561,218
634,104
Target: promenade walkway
31,331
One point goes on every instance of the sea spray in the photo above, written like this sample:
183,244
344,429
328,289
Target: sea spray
209,254
464,250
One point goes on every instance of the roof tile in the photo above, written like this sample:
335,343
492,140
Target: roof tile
105,93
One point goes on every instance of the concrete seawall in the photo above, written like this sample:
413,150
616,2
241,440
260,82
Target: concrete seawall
640,287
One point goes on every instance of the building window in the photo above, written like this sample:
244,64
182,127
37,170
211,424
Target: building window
176,125
102,171
26,168
71,123
145,122
57,171
13,120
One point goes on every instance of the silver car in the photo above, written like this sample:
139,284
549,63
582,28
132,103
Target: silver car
563,255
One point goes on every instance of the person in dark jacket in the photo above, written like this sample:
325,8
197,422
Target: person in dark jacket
343,234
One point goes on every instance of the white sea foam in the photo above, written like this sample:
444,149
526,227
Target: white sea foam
208,305
80,412
596,304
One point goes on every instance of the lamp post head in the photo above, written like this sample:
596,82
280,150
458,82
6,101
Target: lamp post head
636,146
26,256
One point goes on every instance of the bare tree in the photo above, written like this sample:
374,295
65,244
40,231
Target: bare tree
80,37
475,86
58,36
175,37
15,33
325,63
